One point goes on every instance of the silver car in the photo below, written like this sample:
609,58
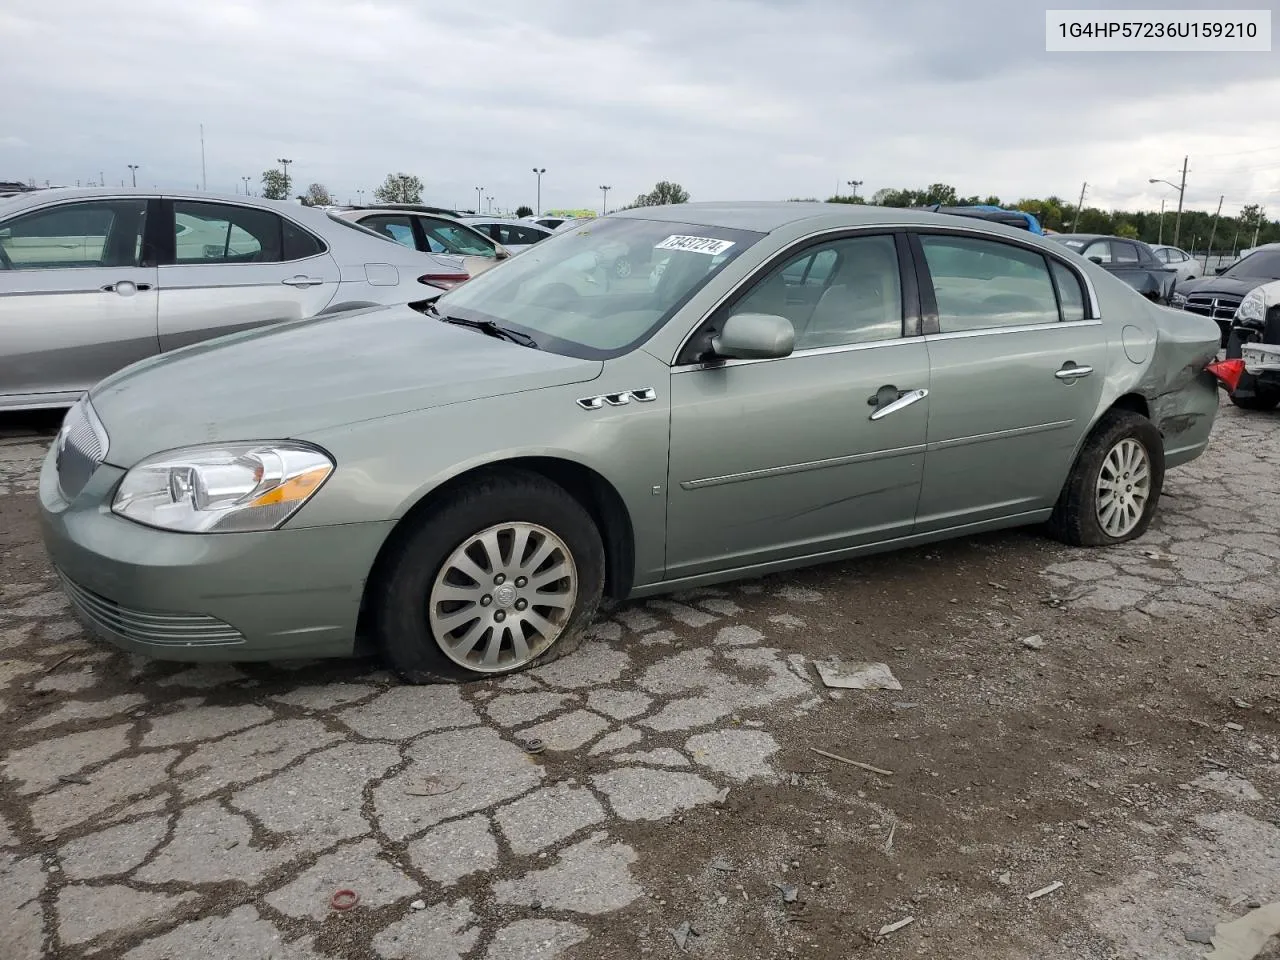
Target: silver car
92,280
432,233
803,383
1187,266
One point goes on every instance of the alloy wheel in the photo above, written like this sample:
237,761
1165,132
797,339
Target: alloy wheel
1124,487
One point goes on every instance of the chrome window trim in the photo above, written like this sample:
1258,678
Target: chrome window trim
850,231
1019,328
808,352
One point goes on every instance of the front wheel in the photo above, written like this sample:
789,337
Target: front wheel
501,575
1111,493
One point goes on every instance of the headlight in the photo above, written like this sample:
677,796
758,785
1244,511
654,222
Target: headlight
1178,299
1252,307
223,488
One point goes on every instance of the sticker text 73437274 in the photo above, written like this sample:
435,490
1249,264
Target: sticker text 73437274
708,245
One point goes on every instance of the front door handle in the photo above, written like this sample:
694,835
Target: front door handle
1072,371
905,399
125,288
303,282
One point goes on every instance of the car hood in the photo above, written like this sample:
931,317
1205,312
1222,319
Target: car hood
287,381
1228,285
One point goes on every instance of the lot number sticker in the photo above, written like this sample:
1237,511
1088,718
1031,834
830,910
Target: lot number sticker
708,245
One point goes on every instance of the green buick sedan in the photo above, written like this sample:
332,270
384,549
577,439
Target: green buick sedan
464,484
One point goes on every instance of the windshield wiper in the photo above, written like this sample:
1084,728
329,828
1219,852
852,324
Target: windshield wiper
488,327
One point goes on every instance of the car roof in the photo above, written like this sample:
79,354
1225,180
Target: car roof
511,220
37,198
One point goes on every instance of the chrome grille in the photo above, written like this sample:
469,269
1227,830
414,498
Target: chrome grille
141,626
1219,306
82,446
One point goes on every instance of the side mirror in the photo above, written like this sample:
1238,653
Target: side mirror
754,336
501,252
1097,260
1221,270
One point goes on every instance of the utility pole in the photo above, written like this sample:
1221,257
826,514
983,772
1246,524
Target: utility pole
604,199
539,174
1177,223
133,170
284,168
102,179
1212,233
855,184
1256,227
1160,232
479,202
1076,219
204,180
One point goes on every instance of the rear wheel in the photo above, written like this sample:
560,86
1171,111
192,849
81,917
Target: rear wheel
1112,491
502,575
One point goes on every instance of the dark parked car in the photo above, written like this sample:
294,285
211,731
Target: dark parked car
1219,297
1131,260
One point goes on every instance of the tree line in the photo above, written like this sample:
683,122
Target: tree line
1054,213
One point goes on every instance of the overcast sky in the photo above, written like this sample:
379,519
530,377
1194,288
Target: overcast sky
735,99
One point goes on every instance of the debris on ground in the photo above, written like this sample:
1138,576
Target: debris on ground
1244,939
888,844
889,928
723,865
1045,891
853,763
789,893
1157,555
432,786
344,899
1199,935
682,933
1033,642
418,905
856,676
1241,704
1005,879
534,746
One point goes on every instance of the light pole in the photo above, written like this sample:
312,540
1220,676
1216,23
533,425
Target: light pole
539,173
479,194
489,200
604,199
1182,190
854,184
133,172
360,197
246,180
284,166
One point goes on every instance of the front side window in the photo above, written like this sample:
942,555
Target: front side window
983,284
1099,249
445,237
856,297
396,227
564,295
224,233
99,233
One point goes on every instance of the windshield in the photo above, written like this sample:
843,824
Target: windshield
599,290
1262,265
1075,243
352,225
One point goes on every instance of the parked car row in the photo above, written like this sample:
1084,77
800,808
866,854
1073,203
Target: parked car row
94,279
461,486
1130,260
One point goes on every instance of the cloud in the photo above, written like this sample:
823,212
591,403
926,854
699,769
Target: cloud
736,99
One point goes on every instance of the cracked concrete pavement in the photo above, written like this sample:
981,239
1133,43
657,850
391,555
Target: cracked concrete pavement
153,810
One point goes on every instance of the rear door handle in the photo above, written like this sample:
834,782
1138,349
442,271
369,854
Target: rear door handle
905,399
125,288
303,282
1071,371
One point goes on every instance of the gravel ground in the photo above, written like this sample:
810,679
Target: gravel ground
1130,752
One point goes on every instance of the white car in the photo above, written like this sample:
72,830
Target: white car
1187,266
432,233
515,235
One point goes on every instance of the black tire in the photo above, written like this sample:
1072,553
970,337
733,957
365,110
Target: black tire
1075,516
400,595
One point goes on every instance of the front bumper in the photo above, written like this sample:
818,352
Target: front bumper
275,595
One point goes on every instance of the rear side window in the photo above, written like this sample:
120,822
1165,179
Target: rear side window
518,236
398,228
298,243
983,284
225,233
99,233
1070,292
1124,252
